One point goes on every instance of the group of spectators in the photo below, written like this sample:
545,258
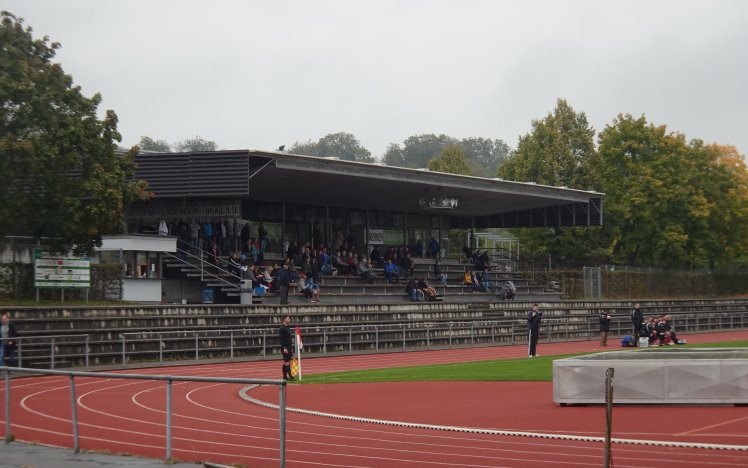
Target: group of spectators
218,237
655,331
420,290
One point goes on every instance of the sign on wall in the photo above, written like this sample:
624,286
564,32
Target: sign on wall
62,273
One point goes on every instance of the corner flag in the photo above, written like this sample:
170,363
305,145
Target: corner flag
299,347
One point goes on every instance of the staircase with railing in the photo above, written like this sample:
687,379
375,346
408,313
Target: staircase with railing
196,264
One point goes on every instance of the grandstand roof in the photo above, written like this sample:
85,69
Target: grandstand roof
282,177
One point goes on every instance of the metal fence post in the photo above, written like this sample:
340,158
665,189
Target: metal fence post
350,339
231,344
20,353
376,335
428,337
52,353
86,350
197,356
264,343
74,414
282,408
160,349
450,333
324,341
124,362
168,418
8,435
403,337
472,333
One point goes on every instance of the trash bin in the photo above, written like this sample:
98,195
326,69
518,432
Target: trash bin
208,296
245,292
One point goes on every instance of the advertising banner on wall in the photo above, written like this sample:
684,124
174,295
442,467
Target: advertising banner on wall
62,273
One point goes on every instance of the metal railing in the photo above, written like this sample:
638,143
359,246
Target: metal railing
53,343
169,379
347,339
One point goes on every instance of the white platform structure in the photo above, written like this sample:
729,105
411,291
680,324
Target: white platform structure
141,257
655,376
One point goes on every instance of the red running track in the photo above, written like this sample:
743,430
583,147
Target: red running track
211,421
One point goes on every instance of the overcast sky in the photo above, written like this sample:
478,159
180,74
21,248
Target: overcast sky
259,74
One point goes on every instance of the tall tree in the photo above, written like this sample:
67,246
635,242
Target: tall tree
339,145
451,160
149,144
195,145
59,174
483,155
670,203
559,151
418,150
393,155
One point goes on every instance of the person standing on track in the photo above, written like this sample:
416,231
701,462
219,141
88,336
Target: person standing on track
286,345
604,327
636,322
533,325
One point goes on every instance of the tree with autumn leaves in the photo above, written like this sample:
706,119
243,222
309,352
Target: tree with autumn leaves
668,202
61,175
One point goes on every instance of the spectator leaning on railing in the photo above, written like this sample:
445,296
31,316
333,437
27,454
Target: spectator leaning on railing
8,344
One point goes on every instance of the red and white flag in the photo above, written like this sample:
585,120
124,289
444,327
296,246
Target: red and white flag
298,338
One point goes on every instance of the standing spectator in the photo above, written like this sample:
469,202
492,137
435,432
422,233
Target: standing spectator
433,248
194,234
407,265
534,317
284,278
8,344
604,327
245,233
375,256
286,346
207,235
262,234
636,321
418,249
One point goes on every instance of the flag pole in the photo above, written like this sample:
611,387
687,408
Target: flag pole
299,347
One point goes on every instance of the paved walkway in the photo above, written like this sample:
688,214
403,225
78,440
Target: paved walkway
21,455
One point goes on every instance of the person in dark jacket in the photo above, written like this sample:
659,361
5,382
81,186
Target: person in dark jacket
286,345
8,344
284,278
534,317
604,327
636,320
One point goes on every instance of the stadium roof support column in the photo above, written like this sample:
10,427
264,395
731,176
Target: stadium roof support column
284,238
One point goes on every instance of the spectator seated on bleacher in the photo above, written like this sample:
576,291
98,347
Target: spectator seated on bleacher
325,263
411,289
407,265
391,272
309,288
467,280
477,286
428,291
483,281
364,271
339,262
438,273
510,290
235,264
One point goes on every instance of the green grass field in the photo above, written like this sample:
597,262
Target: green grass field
522,369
